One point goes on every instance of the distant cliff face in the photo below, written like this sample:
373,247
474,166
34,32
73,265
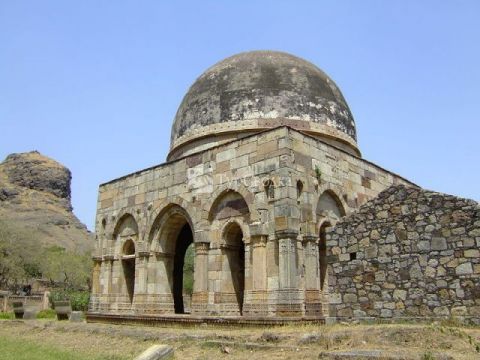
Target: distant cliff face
35,194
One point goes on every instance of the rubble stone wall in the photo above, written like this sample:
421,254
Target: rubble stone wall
407,253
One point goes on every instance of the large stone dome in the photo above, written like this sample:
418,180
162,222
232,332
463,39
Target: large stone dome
258,90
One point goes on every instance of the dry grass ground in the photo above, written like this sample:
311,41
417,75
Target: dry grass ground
99,341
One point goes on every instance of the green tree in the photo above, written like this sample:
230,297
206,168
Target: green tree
22,259
71,269
188,267
19,256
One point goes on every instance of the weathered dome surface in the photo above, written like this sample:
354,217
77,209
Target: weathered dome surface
257,90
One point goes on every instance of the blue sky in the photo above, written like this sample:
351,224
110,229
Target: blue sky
96,84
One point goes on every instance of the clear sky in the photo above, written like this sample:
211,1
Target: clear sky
96,84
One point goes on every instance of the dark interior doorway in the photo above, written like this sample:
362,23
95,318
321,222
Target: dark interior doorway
128,264
322,248
236,260
184,240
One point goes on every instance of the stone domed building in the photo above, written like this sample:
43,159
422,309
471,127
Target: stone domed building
263,163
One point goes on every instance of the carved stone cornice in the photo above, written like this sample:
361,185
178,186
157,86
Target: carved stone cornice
286,234
259,241
160,254
143,253
309,239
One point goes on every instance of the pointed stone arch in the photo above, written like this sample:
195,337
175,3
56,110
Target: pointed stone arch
329,206
170,234
233,277
125,236
167,223
229,203
217,196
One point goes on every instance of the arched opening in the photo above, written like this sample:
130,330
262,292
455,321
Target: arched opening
322,248
299,189
235,255
125,235
330,206
128,265
172,238
182,243
329,210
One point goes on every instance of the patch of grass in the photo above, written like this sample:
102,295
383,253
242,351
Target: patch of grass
428,356
47,314
7,316
15,349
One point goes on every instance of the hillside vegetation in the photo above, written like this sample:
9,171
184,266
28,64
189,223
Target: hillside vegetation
40,237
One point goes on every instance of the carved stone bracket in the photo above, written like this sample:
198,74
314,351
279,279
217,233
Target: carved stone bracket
144,253
201,248
160,254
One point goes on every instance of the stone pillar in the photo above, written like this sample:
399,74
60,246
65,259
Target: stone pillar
45,300
162,274
248,276
287,259
200,281
256,298
140,297
272,275
259,263
141,285
5,302
96,289
313,300
107,297
290,298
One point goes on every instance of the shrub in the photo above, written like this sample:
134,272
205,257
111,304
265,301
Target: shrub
46,314
78,299
7,315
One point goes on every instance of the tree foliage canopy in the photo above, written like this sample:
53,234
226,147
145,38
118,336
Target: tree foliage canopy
22,259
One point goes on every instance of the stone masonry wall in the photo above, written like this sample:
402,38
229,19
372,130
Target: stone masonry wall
407,253
279,230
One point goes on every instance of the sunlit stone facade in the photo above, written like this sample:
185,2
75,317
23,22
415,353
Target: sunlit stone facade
263,160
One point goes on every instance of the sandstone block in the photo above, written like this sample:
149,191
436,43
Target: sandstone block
399,294
386,313
156,352
464,269
439,244
350,298
441,311
471,253
459,311
423,246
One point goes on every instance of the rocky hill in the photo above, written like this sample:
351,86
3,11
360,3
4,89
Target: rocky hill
35,195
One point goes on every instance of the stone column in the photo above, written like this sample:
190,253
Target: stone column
96,289
97,263
248,276
287,259
140,297
200,281
272,275
161,268
313,300
290,298
107,297
256,299
5,302
259,264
